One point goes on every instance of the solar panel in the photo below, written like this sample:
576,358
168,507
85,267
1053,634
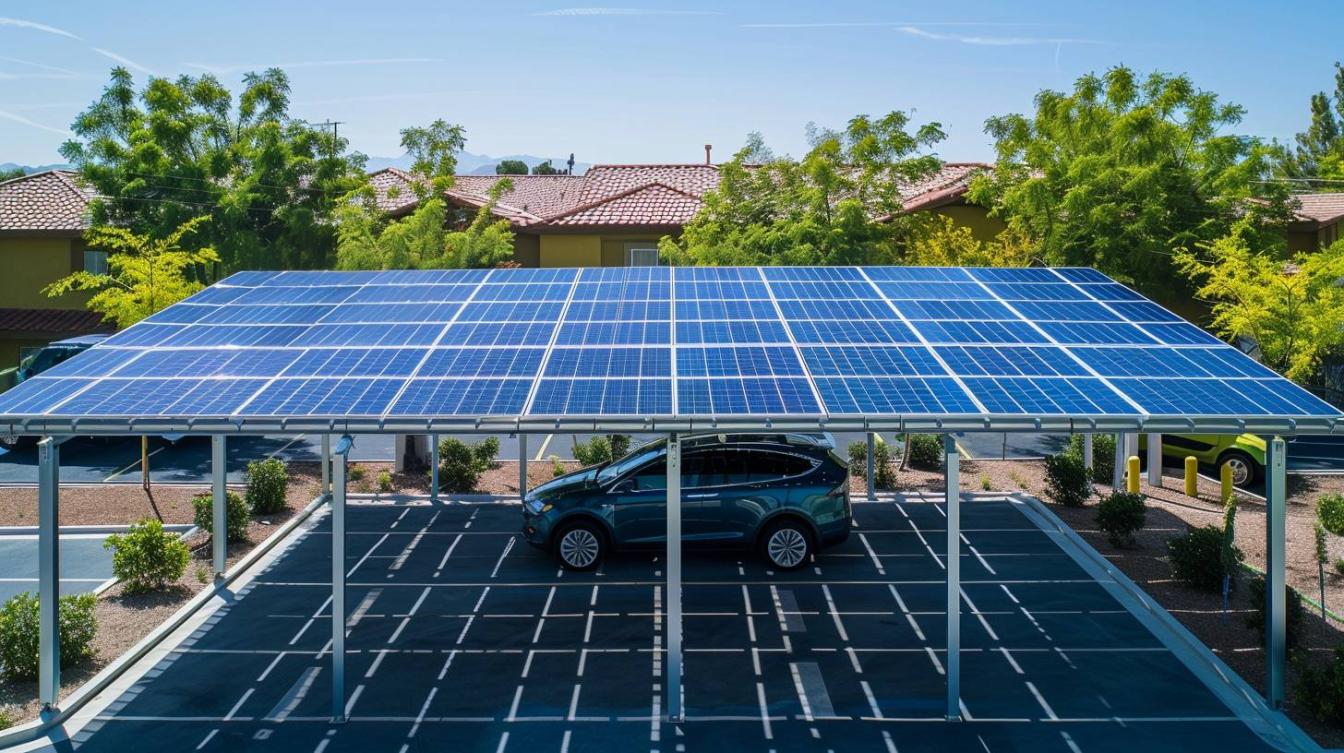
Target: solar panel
856,344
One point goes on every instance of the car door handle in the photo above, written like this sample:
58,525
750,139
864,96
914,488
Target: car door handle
710,495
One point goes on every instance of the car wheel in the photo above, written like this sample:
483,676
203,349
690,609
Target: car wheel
787,545
580,546
1245,471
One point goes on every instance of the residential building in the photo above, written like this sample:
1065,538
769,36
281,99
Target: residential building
1318,221
614,215
43,217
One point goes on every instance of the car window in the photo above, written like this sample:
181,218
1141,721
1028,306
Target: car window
651,477
623,465
759,466
700,469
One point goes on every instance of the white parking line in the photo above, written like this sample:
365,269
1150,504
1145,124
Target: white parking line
502,555
1049,712
876,562
208,738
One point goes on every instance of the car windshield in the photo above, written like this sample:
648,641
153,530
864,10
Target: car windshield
617,468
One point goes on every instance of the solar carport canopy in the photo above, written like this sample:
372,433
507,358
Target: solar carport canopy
657,348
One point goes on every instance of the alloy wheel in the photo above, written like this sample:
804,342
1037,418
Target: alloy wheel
787,547
579,548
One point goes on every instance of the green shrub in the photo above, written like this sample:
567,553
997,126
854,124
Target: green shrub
1320,687
1103,455
1197,558
1121,515
461,464
356,473
19,633
594,451
926,451
147,558
1339,565
384,482
858,463
557,467
239,515
1330,511
1292,617
266,482
1067,480
6,719
620,445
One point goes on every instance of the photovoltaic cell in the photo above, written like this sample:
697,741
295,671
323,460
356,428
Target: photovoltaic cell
738,361
610,362
472,362
323,397
558,397
463,397
894,395
977,360
1047,396
868,360
745,396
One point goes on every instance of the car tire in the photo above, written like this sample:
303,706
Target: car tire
1245,471
787,544
580,546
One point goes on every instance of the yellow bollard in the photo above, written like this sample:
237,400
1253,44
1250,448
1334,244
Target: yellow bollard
1132,474
1191,476
1225,476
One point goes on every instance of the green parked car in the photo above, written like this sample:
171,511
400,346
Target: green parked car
1245,453
786,495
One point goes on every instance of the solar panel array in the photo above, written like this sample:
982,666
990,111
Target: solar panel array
648,342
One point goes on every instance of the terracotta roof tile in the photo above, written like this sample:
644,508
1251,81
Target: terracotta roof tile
394,190
1323,208
51,201
55,321
650,205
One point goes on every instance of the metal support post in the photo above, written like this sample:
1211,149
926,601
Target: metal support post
1087,452
49,572
952,498
872,467
338,579
326,464
1118,474
522,465
433,467
674,711
1276,544
1154,459
220,504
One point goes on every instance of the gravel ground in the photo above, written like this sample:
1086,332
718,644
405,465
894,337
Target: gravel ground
124,619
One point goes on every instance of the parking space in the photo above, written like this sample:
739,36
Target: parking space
85,564
461,637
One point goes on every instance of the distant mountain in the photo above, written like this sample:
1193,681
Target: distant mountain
478,164
30,169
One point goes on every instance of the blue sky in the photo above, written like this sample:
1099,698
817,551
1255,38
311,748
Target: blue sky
647,82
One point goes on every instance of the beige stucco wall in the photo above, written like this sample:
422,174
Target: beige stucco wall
583,250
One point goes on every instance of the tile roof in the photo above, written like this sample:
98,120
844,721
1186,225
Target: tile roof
394,190
629,195
1321,208
55,321
53,202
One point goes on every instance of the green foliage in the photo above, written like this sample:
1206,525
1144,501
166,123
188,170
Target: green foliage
1292,617
267,481
1067,480
1228,553
545,168
144,273
422,240
6,719
1330,513
926,451
839,204
433,150
945,243
1320,686
1103,455
184,147
239,515
1197,558
385,482
11,174
19,633
1318,534
858,463
1124,169
1320,149
1120,515
602,449
511,167
620,445
557,467
1291,308
356,472
461,465
146,557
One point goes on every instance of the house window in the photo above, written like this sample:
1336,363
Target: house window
95,262
641,254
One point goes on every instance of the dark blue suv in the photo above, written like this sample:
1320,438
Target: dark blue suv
785,494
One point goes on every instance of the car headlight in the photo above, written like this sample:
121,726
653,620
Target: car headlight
538,506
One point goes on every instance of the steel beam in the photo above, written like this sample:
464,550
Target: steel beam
1087,452
522,465
1276,497
674,711
338,474
952,499
49,572
433,467
219,503
1154,459
872,467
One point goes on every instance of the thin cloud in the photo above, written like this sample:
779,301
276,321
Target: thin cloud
41,66
626,12
915,31
221,69
35,26
123,60
6,115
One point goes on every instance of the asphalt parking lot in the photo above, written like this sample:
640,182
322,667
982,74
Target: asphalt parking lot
463,638
85,564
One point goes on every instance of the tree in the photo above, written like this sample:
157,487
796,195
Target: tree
175,149
511,167
144,273
422,240
11,174
944,243
433,151
545,168
839,204
1320,149
1292,310
1122,171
